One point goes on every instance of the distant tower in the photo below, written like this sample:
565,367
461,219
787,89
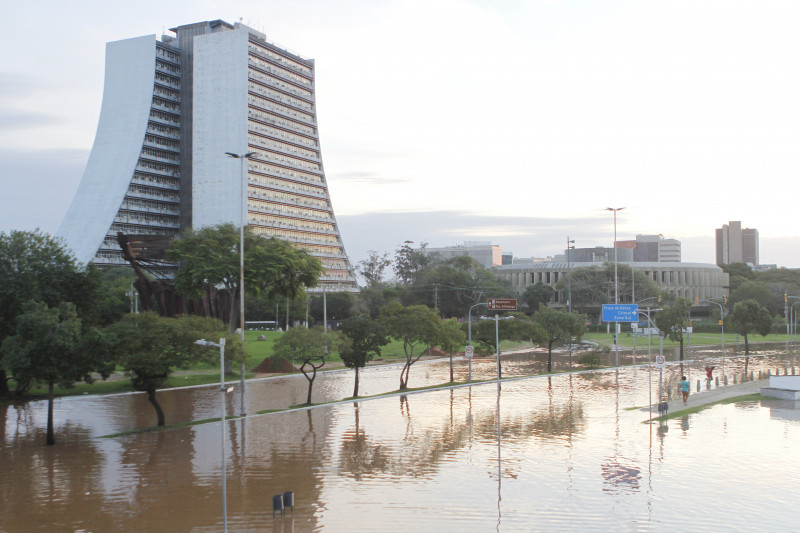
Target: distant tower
171,110
736,245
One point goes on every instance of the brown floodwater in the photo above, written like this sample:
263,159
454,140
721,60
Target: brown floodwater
544,453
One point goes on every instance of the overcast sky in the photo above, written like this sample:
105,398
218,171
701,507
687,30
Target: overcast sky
514,121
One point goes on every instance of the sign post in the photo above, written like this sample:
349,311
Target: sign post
502,304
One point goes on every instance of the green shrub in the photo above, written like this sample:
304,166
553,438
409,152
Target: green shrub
594,359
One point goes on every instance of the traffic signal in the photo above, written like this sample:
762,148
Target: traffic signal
659,298
724,300
697,299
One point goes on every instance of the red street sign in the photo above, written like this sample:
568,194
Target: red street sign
502,304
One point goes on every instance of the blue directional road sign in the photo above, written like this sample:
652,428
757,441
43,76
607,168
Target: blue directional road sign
620,313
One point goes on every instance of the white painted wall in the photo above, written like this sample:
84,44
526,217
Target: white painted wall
127,97
220,125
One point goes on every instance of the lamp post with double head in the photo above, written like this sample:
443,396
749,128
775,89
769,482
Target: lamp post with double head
616,283
570,247
243,159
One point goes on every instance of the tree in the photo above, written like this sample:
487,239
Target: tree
410,263
595,284
49,346
522,329
114,294
373,268
749,316
306,347
673,320
760,292
297,269
451,338
453,285
738,273
340,306
416,326
150,347
362,341
559,327
537,294
211,256
36,266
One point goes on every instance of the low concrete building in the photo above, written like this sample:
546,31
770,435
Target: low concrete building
685,280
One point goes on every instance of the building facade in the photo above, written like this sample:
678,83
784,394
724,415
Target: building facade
735,244
484,252
653,249
685,280
172,108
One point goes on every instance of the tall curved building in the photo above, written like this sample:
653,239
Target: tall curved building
172,109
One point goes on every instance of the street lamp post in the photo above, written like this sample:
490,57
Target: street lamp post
616,283
722,330
469,335
570,247
223,390
243,159
497,320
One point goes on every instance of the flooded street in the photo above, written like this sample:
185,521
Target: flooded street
567,451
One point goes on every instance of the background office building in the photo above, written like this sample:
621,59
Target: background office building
736,244
653,249
484,252
172,108
645,249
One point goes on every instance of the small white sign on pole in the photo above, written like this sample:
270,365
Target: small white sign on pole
468,352
660,360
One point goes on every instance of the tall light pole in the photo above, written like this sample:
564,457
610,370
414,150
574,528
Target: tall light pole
469,334
616,282
243,158
222,390
570,247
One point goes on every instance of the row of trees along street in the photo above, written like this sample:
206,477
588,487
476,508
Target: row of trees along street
61,322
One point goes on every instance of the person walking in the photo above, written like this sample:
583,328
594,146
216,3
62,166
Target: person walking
684,386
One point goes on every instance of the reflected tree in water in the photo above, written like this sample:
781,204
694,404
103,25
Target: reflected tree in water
359,456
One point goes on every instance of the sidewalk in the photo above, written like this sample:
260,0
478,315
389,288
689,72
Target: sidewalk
705,397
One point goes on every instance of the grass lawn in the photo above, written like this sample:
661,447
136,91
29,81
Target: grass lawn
697,339
205,373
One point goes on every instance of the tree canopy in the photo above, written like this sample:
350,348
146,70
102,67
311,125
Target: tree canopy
451,338
759,291
272,266
36,266
595,285
149,347
537,294
416,326
559,327
363,339
748,317
50,346
307,347
673,320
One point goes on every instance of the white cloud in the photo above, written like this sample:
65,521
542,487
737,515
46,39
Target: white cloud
684,112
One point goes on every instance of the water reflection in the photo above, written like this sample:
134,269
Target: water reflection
360,456
468,459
